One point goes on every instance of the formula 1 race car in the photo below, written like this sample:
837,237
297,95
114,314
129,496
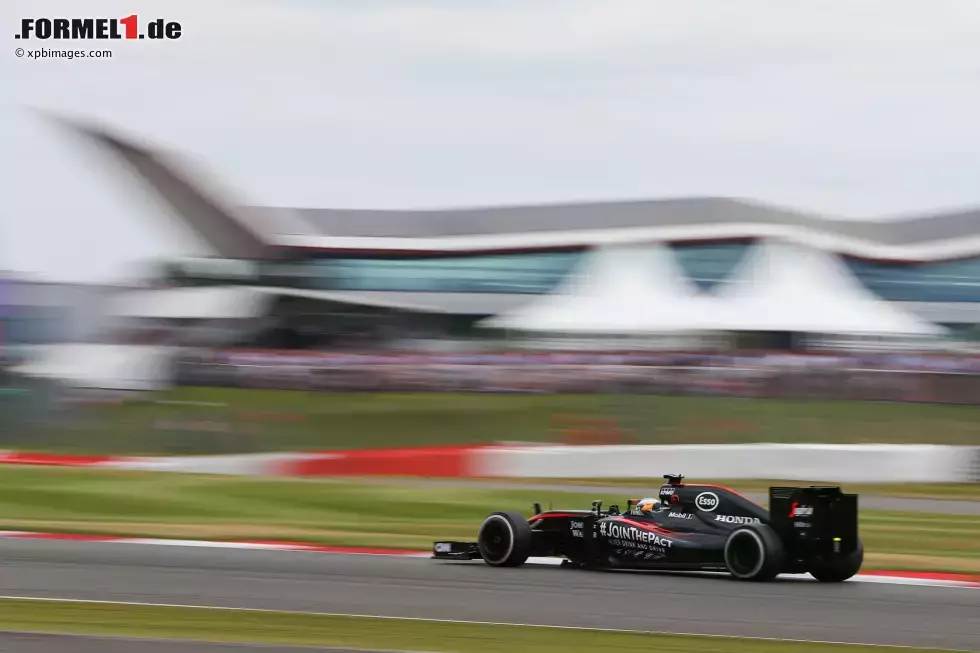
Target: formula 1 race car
690,527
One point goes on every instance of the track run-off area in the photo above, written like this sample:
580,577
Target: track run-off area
940,613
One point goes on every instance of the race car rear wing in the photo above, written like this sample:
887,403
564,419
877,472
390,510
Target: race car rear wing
815,520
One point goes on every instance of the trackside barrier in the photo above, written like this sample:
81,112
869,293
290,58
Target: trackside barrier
867,463
263,464
53,460
439,462
805,462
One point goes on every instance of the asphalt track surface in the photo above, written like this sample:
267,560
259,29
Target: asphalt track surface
858,612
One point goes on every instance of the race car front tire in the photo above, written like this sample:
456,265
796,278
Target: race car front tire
504,539
837,570
754,552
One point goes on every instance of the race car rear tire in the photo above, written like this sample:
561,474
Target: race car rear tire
504,539
754,552
837,570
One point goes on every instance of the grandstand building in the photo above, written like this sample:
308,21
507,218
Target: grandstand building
464,264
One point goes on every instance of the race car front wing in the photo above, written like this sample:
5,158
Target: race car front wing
456,551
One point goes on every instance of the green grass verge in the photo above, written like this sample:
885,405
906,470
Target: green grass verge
299,629
263,420
370,513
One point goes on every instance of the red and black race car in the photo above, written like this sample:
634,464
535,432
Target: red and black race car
688,527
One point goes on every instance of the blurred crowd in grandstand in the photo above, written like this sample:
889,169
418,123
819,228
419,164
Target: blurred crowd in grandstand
860,375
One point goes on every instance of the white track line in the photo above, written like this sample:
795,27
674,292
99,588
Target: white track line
464,622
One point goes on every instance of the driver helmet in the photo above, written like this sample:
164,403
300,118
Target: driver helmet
648,506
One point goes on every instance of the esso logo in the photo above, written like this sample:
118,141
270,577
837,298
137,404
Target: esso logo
706,501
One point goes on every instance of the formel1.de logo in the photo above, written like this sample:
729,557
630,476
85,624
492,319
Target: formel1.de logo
130,27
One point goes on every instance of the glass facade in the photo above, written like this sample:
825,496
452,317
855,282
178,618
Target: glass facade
944,281
541,272
534,273
709,264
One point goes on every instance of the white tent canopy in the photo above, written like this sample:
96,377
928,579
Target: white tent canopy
117,367
626,290
783,286
207,303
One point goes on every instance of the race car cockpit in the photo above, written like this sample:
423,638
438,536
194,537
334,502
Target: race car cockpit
647,507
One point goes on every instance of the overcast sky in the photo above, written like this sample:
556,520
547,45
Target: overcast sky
849,107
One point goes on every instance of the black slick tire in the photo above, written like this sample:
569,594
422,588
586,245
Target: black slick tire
754,552
837,570
504,539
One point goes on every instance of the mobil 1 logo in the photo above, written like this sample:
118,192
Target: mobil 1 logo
706,501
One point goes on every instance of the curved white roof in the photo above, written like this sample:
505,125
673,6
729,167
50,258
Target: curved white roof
936,250
262,232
